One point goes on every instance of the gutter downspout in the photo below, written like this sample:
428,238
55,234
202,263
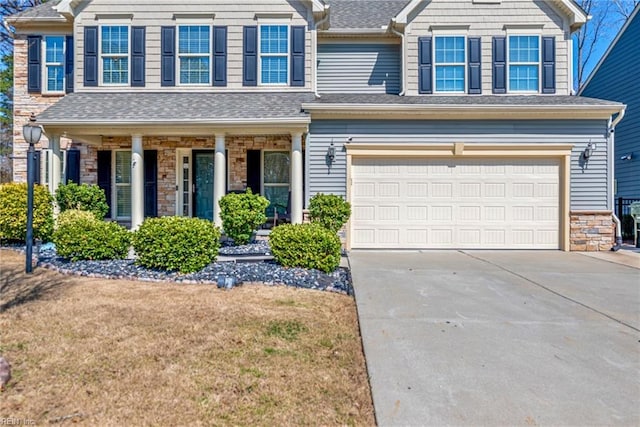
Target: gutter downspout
612,129
402,61
315,51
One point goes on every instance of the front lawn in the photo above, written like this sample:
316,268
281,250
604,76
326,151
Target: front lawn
100,352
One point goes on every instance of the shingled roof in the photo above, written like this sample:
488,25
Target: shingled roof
363,14
44,10
176,107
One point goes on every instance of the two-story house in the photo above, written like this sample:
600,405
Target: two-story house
445,123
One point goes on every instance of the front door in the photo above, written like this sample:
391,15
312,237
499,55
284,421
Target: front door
203,161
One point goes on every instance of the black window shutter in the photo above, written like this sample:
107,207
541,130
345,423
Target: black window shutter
424,65
138,52
37,167
34,70
68,66
250,56
548,65
104,176
73,166
168,48
297,55
253,170
475,65
91,56
219,56
499,65
150,183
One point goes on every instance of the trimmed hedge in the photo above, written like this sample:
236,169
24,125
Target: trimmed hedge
176,243
82,197
242,214
306,246
329,210
13,212
79,235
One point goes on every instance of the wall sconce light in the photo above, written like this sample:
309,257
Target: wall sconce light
588,152
331,152
627,157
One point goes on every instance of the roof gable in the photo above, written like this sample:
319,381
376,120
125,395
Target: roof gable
577,16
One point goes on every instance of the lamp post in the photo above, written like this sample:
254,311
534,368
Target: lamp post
31,133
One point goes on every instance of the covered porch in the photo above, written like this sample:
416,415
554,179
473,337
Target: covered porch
152,165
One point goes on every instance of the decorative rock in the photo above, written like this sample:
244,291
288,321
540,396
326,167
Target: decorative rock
5,372
234,273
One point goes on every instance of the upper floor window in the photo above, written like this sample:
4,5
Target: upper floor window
54,57
274,54
194,53
115,54
524,63
450,63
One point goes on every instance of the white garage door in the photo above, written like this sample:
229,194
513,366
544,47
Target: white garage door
452,203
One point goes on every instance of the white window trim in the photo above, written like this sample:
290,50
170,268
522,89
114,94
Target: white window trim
278,22
466,62
114,23
114,186
46,166
181,153
45,64
523,32
194,55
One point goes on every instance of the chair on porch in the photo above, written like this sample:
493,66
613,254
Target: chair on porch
281,213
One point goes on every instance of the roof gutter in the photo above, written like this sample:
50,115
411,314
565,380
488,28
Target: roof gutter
612,165
315,63
204,122
403,71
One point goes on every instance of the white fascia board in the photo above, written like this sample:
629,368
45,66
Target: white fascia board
505,110
221,122
403,15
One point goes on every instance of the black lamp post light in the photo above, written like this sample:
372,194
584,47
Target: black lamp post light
31,133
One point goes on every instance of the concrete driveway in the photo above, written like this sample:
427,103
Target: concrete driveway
499,337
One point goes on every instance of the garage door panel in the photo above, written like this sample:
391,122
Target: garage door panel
451,203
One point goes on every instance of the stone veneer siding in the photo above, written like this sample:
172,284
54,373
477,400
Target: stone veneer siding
24,104
591,231
236,146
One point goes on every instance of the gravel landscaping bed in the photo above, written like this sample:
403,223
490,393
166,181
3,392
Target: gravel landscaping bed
222,274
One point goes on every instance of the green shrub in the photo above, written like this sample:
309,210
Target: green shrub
242,214
13,212
80,235
329,210
176,243
306,246
83,197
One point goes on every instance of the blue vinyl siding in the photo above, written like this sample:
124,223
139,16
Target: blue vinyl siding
617,80
359,68
588,183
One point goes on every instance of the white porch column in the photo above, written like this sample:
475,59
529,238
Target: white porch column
137,182
296,178
55,168
219,178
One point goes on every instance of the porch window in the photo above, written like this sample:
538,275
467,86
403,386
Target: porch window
115,54
276,166
54,55
274,54
46,165
122,183
194,50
